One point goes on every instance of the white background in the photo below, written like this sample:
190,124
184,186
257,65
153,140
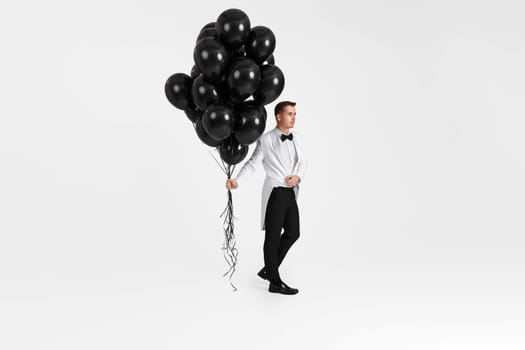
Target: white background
411,210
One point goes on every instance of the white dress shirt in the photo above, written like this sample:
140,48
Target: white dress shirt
280,159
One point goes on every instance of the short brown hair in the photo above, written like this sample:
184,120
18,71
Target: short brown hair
280,106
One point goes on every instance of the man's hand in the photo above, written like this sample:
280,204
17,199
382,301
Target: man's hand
231,184
292,180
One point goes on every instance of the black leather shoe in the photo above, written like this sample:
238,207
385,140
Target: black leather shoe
282,288
262,273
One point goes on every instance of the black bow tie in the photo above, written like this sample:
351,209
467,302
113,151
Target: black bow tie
285,137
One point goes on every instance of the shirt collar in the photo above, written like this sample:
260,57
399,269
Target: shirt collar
279,132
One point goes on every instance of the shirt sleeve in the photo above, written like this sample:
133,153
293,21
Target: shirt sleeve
302,162
250,166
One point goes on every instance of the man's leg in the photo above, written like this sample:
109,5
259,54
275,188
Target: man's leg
274,221
291,230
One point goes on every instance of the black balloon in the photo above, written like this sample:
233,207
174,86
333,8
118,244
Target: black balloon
207,30
193,114
203,93
271,85
263,111
269,60
249,123
218,120
178,90
209,25
233,28
260,44
211,57
204,136
195,71
231,151
259,107
243,78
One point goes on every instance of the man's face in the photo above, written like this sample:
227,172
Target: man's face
286,118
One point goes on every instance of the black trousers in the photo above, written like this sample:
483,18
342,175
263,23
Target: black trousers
281,212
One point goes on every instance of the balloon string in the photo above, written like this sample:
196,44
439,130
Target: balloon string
230,252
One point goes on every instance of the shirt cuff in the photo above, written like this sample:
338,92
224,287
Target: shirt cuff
238,180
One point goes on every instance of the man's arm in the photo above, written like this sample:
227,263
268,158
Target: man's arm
250,166
302,162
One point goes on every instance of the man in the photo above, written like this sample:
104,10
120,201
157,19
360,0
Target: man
281,154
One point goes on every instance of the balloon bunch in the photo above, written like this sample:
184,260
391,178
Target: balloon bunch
233,78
